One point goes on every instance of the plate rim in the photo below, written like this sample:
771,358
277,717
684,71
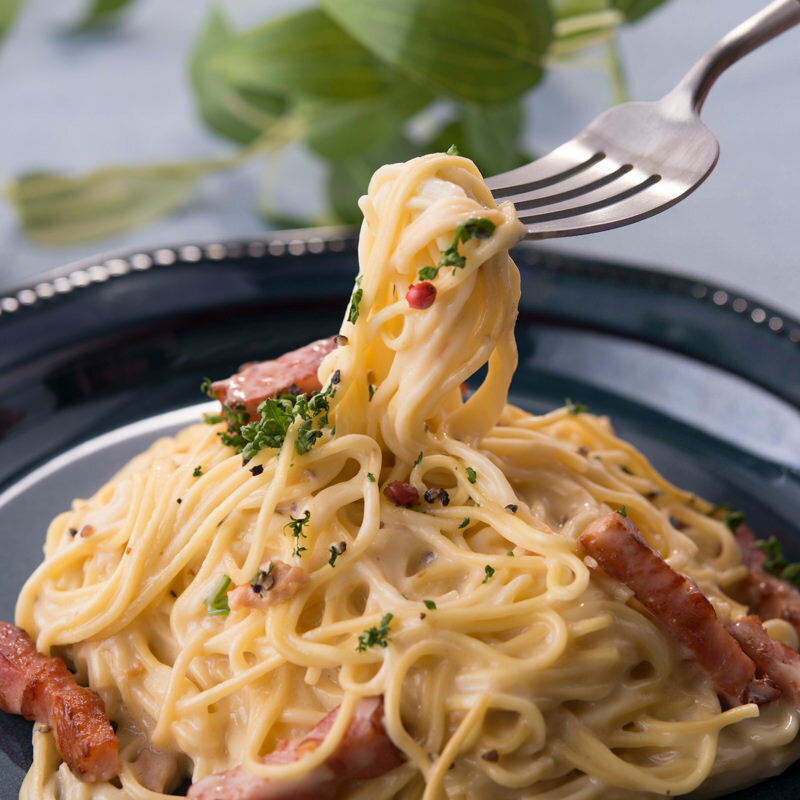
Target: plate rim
118,264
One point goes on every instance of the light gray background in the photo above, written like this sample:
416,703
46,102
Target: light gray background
77,102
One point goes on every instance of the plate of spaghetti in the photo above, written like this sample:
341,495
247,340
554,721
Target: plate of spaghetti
438,527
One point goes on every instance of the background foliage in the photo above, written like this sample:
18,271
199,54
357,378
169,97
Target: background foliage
358,82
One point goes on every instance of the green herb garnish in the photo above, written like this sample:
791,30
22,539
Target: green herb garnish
430,605
418,459
464,523
370,477
733,519
217,600
335,551
622,511
776,563
427,273
474,228
376,636
452,151
355,302
574,408
472,476
277,416
296,525
488,572
198,471
371,391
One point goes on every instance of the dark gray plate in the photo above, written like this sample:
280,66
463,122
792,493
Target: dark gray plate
100,358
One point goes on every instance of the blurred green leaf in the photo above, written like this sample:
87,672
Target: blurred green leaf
235,112
636,9
485,52
101,13
305,53
563,9
492,135
489,135
57,209
349,177
8,13
337,130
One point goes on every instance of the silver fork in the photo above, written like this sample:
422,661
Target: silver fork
635,159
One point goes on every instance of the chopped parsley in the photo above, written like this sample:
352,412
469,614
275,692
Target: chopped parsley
430,605
296,525
370,477
198,471
733,519
574,408
217,600
488,572
625,470
474,228
452,151
622,511
336,550
510,553
776,563
472,476
427,273
371,391
212,419
418,459
464,523
206,387
277,414
355,302
376,635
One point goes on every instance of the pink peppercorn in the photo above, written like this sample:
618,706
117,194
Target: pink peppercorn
401,493
421,295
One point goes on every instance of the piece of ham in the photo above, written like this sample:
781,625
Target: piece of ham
364,752
294,372
276,583
777,661
767,595
42,688
616,544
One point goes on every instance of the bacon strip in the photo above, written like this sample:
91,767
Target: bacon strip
620,549
295,371
779,662
42,688
365,752
767,595
280,582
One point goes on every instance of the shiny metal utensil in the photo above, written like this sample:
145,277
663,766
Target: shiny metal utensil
638,158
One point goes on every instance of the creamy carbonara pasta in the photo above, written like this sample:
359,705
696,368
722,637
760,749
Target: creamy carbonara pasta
423,548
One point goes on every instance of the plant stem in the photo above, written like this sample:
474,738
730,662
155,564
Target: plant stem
620,90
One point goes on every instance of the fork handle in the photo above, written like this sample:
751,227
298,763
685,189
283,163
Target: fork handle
776,18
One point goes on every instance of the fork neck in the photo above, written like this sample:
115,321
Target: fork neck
768,23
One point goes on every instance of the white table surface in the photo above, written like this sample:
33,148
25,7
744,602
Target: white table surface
74,103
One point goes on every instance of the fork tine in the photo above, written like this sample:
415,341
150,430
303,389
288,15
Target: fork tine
633,182
636,206
600,174
565,161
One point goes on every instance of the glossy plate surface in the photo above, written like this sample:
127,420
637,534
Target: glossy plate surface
100,358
